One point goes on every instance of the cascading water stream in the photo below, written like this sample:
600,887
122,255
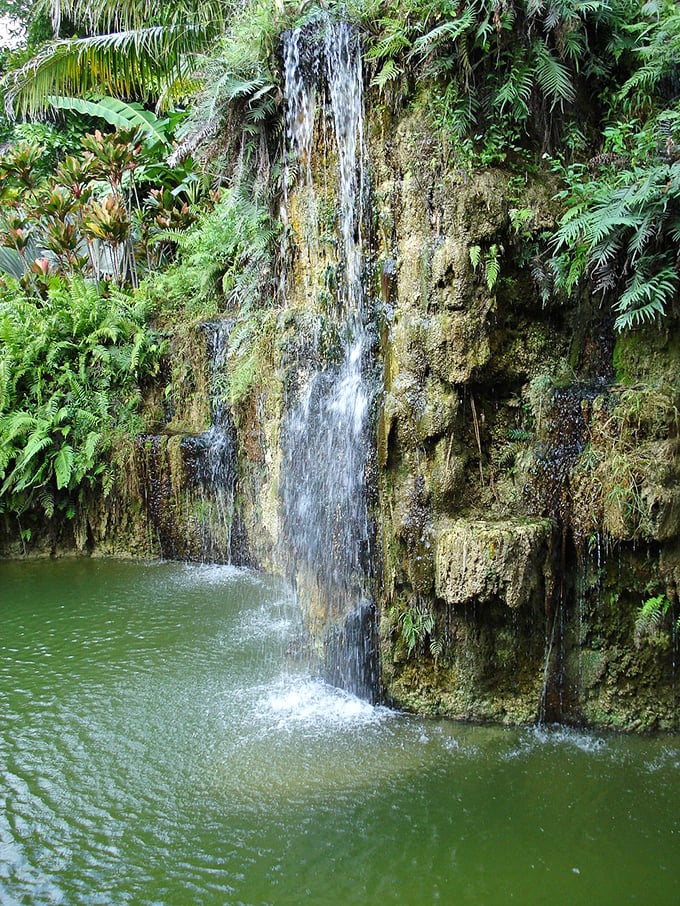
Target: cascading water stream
189,482
345,86
326,443
300,98
215,468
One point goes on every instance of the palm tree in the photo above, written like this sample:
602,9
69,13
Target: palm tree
137,49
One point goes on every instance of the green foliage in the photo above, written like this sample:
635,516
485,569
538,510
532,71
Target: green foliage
490,261
416,627
619,235
621,229
657,47
235,111
118,114
224,261
651,617
71,370
89,216
251,353
521,62
126,50
132,50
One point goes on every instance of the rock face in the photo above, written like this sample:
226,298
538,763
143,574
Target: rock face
524,490
526,460
481,562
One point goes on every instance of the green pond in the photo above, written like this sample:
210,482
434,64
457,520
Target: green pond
161,744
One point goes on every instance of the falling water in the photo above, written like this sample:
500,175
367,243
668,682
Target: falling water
189,482
300,98
345,86
215,459
326,442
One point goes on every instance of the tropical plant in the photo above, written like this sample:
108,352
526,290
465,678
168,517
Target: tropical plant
657,48
622,234
71,371
129,50
88,217
416,626
619,235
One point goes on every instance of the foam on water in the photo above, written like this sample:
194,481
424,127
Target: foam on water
292,701
209,574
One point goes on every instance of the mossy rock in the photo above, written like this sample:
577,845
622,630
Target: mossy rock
487,561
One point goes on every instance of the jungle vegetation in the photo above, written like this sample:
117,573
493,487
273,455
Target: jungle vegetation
140,137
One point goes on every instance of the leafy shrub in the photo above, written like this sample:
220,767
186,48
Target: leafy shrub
225,260
71,371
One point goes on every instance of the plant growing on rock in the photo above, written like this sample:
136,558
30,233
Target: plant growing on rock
620,233
523,62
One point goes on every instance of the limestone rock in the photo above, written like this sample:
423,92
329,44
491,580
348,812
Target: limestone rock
483,561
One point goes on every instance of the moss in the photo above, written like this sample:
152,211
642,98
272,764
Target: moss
651,355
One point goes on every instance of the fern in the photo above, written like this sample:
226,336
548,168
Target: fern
492,266
416,624
552,76
650,617
646,296
389,71
58,412
515,93
63,466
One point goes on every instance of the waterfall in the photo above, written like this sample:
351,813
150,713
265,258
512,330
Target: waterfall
300,99
345,86
327,438
188,481
214,457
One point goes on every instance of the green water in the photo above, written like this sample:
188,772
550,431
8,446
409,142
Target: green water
159,745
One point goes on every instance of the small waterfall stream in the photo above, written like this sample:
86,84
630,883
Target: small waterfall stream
326,442
189,481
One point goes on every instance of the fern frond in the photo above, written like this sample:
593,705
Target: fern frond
63,466
552,76
389,71
646,296
650,617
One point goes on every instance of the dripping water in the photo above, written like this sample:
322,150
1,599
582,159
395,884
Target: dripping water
190,482
215,464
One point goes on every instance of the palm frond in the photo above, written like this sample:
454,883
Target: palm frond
122,64
112,15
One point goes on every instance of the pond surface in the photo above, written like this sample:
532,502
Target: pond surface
159,746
